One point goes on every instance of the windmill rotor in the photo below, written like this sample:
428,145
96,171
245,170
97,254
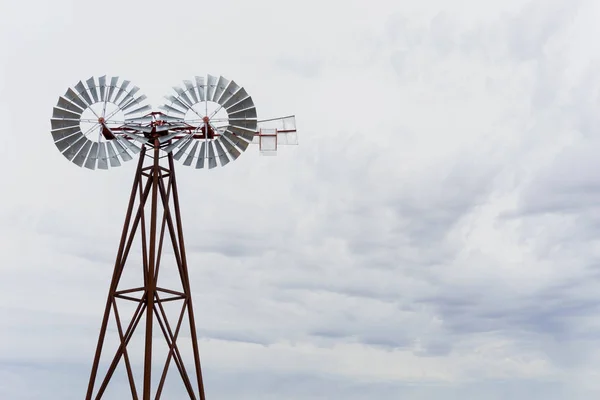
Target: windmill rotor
207,122
221,117
86,122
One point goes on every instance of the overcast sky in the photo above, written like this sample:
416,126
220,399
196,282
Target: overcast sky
434,235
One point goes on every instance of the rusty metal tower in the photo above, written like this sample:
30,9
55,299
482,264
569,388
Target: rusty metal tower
207,122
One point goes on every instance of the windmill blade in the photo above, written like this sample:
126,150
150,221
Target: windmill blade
166,138
201,156
134,91
178,143
73,97
74,147
243,123
240,105
130,146
90,162
122,89
134,102
222,84
127,103
200,87
237,97
221,153
248,113
174,145
102,87
189,85
231,89
146,119
69,141
212,161
183,97
243,132
182,149
82,91
236,140
169,118
235,153
137,138
122,150
72,138
69,105
247,124
63,145
137,128
80,158
163,128
63,133
128,97
64,114
140,110
171,110
112,155
102,159
166,128
71,151
69,130
61,124
60,135
177,102
92,88
145,129
190,157
210,87
111,89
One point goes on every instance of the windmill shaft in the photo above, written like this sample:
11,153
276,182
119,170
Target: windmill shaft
155,187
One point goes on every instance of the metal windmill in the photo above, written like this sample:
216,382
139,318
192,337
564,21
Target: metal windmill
208,122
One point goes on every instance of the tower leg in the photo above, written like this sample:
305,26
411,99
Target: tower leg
158,185
150,282
186,281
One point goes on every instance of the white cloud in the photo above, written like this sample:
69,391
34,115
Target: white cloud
433,236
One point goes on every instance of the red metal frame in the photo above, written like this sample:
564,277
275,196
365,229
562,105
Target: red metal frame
154,187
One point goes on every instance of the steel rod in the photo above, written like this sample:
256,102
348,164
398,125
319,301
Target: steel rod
150,282
125,354
128,334
186,280
174,352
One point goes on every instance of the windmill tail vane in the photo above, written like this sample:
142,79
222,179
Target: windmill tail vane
207,122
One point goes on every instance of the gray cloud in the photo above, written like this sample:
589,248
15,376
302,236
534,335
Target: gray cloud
432,237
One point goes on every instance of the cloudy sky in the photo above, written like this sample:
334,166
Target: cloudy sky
434,235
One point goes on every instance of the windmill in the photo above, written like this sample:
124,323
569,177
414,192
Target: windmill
206,123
